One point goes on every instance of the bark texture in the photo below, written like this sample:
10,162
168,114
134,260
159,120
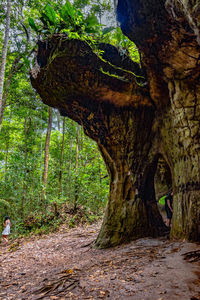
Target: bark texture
46,158
134,125
61,157
170,46
4,52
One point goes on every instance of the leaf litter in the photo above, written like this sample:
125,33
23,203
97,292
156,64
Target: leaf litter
66,265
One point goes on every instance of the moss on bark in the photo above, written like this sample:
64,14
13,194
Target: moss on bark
134,125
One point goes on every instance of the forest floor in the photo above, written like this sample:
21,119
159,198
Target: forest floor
65,265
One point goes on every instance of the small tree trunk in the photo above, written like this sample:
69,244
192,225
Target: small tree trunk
68,187
13,70
61,158
115,10
4,52
99,163
41,156
27,127
6,160
46,158
33,203
58,119
76,187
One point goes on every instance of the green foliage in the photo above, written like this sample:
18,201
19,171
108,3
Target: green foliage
70,20
91,24
21,163
4,203
67,11
126,47
65,19
33,25
50,15
23,133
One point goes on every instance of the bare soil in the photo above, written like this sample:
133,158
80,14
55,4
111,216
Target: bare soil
65,265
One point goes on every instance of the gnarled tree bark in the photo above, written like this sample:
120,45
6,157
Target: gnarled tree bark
132,124
119,115
167,32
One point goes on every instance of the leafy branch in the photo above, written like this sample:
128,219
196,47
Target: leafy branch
70,20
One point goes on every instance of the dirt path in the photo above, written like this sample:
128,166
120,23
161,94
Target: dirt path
65,266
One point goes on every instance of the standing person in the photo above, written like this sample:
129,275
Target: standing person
6,230
169,208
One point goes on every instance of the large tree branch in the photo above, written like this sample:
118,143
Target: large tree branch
68,73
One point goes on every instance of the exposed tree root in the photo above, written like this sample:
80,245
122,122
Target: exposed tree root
65,283
192,256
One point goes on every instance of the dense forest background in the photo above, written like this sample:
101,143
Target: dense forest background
46,160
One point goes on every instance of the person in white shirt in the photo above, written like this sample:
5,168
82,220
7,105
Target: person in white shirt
6,230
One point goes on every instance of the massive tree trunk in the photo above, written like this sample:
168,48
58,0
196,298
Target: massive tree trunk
173,71
119,115
182,147
132,210
133,124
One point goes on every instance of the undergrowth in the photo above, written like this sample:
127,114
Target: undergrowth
57,216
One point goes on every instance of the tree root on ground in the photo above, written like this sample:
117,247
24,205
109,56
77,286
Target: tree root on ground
65,283
192,256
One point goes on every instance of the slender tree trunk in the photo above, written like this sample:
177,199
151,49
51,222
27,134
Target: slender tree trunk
68,187
99,163
70,160
33,203
4,52
76,187
46,158
41,154
58,119
115,4
6,161
14,68
27,127
61,158
115,10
